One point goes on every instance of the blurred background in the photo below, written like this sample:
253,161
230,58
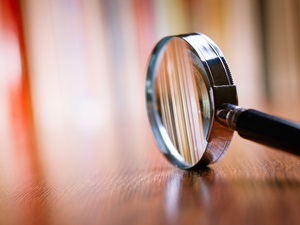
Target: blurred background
72,74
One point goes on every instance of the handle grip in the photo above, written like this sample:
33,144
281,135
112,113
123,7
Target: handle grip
269,130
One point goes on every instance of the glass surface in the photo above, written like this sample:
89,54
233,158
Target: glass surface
182,99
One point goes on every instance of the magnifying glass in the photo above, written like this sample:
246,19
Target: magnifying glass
193,107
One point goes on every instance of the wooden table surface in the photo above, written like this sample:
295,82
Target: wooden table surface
118,176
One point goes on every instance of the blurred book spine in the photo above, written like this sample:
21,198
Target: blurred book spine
87,62
281,37
16,122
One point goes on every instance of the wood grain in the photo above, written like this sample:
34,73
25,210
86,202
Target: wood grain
250,185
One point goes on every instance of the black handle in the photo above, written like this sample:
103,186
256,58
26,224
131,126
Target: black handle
269,130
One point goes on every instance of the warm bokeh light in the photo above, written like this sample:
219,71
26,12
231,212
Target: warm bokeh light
85,64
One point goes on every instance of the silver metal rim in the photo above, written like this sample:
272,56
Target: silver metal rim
221,90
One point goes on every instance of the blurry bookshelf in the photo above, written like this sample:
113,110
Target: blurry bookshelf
81,68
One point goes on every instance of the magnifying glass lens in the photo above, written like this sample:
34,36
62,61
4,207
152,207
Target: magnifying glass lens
182,99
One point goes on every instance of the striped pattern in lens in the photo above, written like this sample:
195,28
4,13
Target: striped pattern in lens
182,100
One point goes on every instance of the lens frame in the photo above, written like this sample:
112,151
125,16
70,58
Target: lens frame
221,89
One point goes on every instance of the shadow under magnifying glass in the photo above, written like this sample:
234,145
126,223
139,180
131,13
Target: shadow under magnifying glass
188,193
207,197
